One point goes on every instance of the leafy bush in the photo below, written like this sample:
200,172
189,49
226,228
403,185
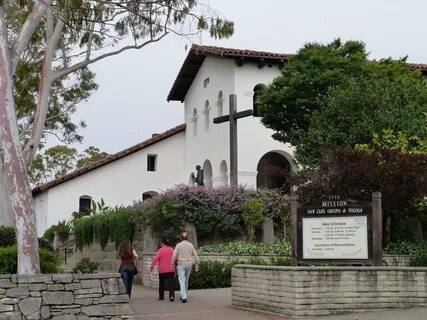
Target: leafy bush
282,248
216,274
114,225
45,244
7,236
406,248
62,228
86,266
419,261
252,213
216,213
49,260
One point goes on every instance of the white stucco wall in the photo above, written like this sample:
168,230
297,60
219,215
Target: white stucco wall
118,183
254,140
211,144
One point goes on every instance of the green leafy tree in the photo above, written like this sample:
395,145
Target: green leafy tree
57,161
73,34
331,95
252,213
90,156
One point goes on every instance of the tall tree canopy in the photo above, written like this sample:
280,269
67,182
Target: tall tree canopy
57,161
66,36
332,95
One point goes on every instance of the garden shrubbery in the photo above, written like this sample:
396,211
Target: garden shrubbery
112,224
282,248
7,236
62,228
86,266
406,248
216,274
216,213
49,260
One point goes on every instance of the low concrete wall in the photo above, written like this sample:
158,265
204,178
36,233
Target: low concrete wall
313,291
151,279
64,297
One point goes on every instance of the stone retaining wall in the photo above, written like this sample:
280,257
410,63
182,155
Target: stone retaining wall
64,297
313,291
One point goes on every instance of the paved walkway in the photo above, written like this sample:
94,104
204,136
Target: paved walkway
215,304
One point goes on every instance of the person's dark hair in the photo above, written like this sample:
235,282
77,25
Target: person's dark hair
125,249
184,235
165,241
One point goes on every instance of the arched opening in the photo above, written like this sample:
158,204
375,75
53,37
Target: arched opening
207,171
273,172
194,121
256,101
223,170
85,204
148,195
207,115
219,103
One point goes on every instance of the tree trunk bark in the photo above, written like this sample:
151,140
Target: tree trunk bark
13,167
5,210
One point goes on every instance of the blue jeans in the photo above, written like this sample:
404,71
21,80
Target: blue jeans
127,274
184,271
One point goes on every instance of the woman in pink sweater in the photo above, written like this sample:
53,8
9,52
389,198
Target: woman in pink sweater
163,259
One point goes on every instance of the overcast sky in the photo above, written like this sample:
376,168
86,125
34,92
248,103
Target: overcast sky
131,103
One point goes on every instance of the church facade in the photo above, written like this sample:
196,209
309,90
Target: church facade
207,78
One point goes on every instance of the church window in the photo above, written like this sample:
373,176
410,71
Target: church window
194,121
256,101
85,203
207,115
220,104
151,162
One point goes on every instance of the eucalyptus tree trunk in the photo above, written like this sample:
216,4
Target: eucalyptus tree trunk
5,210
12,165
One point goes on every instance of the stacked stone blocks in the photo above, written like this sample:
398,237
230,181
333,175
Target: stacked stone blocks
302,291
63,297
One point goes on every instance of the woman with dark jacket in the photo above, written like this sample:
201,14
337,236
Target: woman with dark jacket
127,254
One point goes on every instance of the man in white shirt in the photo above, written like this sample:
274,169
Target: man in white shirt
185,255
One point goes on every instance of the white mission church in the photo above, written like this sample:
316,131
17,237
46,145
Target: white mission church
206,79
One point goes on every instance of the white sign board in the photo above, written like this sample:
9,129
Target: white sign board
335,238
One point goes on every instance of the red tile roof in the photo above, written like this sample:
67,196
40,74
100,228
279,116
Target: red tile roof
149,142
198,53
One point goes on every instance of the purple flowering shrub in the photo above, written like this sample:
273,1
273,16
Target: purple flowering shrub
216,213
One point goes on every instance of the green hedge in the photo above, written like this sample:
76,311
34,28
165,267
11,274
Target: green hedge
419,261
282,248
7,236
406,248
216,274
49,260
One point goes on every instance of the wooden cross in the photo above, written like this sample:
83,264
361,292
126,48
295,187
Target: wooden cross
232,118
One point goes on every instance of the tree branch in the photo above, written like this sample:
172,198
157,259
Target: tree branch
63,72
43,98
27,30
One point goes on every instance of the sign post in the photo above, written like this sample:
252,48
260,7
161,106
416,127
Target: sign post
338,231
